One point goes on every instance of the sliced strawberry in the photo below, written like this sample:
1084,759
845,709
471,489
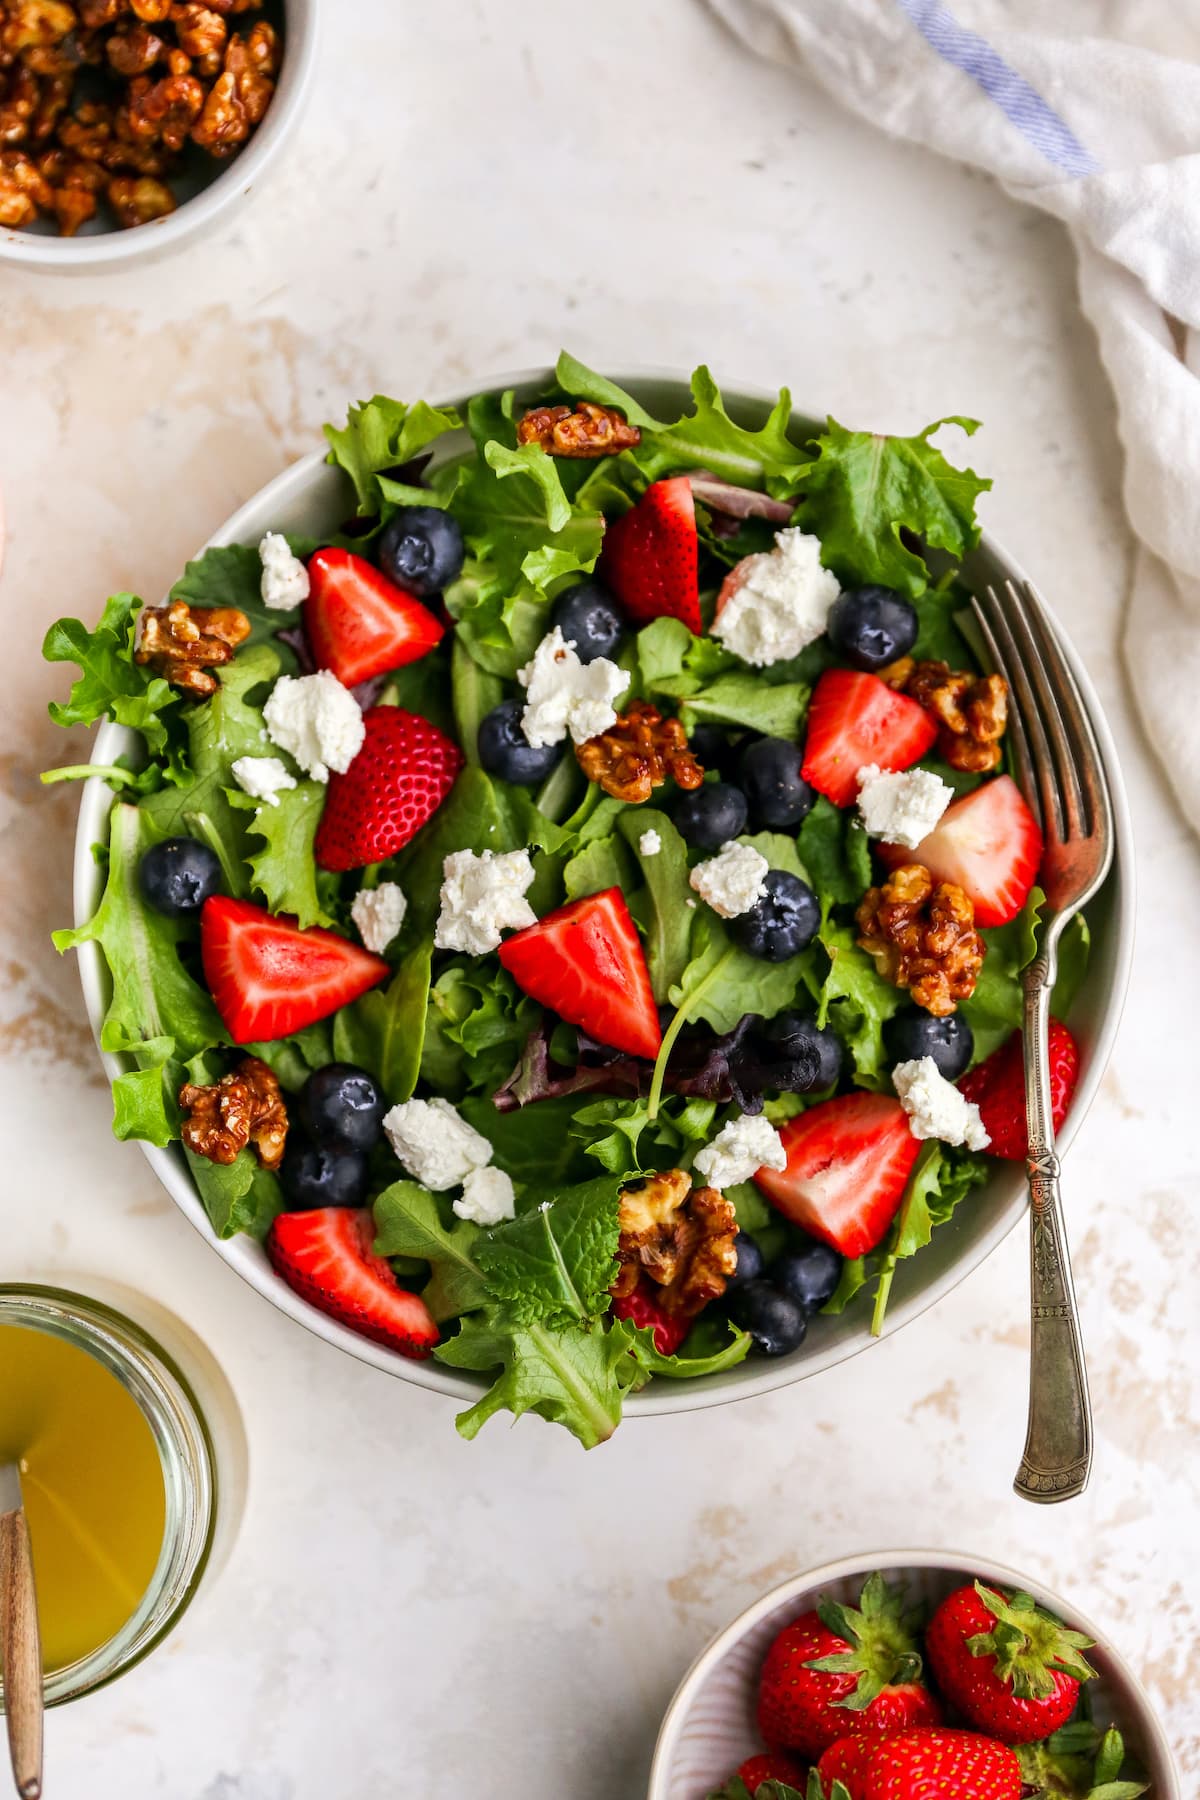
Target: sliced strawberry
269,978
848,1160
988,843
360,624
325,1255
645,1309
770,1765
651,556
585,962
856,719
997,1087
399,778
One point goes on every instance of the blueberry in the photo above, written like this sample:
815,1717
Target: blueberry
177,876
343,1106
320,1175
713,748
808,1276
772,1318
421,549
813,1053
913,1034
783,922
872,626
504,750
776,792
710,815
587,616
750,1264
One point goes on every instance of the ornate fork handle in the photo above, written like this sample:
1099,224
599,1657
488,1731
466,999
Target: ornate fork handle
1058,1441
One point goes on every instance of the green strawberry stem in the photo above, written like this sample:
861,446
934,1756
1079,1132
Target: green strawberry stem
881,1633
1080,1762
1029,1644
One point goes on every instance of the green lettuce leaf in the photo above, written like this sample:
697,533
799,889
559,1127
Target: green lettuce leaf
836,854
941,1178
144,1105
721,982
383,434
624,1137
601,863
284,871
863,492
518,521
294,1058
475,692
241,1196
577,1377
231,575
476,1026
555,1263
410,1221
741,698
110,683
668,917
533,1144
687,1364
857,1001
383,1031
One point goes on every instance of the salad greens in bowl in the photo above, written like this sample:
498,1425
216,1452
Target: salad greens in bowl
551,898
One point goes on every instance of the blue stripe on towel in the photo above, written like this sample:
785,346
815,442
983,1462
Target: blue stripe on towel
1020,103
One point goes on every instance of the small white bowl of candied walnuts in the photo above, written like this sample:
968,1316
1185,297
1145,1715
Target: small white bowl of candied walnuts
127,126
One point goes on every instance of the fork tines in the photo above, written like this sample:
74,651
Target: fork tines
1054,748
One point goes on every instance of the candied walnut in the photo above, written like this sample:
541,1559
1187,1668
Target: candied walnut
88,133
896,674
24,190
184,642
582,430
922,936
971,710
161,112
202,33
244,1107
137,200
20,94
53,101
75,184
680,1237
29,24
638,753
151,12
134,48
97,13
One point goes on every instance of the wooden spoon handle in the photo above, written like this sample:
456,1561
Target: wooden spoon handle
20,1655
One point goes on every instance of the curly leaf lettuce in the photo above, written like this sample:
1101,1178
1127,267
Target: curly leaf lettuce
383,434
110,683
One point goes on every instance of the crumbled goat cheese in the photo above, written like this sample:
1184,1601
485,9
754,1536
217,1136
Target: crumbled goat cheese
935,1107
436,1145
731,881
739,1148
379,913
779,600
901,808
483,895
650,843
565,695
487,1197
284,577
262,777
316,720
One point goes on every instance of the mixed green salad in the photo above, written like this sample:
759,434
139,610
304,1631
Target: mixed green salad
499,901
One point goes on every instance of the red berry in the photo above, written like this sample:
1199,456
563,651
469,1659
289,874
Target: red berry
358,623
856,719
399,778
770,1765
645,1308
1008,1666
942,1765
997,1087
849,1160
268,978
584,961
988,843
325,1255
651,556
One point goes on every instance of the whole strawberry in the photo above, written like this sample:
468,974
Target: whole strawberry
770,1765
943,1765
848,1759
401,775
837,1669
1005,1664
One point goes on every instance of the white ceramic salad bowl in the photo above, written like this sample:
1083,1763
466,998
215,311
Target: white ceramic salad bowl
709,1726
310,499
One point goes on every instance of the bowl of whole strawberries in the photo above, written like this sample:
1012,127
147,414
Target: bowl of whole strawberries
909,1675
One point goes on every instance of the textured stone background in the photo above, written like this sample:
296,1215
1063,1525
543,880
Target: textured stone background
473,186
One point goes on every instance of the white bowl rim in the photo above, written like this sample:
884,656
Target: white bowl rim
118,248
663,1396
984,1568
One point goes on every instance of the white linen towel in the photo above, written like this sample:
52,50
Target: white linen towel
1089,109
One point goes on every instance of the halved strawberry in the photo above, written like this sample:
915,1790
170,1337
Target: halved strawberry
856,719
997,1087
848,1161
989,843
399,778
645,1309
584,961
360,624
325,1255
269,978
651,556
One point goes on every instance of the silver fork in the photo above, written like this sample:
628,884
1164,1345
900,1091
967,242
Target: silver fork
1058,769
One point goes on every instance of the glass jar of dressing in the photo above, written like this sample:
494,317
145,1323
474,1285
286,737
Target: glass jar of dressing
132,1472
